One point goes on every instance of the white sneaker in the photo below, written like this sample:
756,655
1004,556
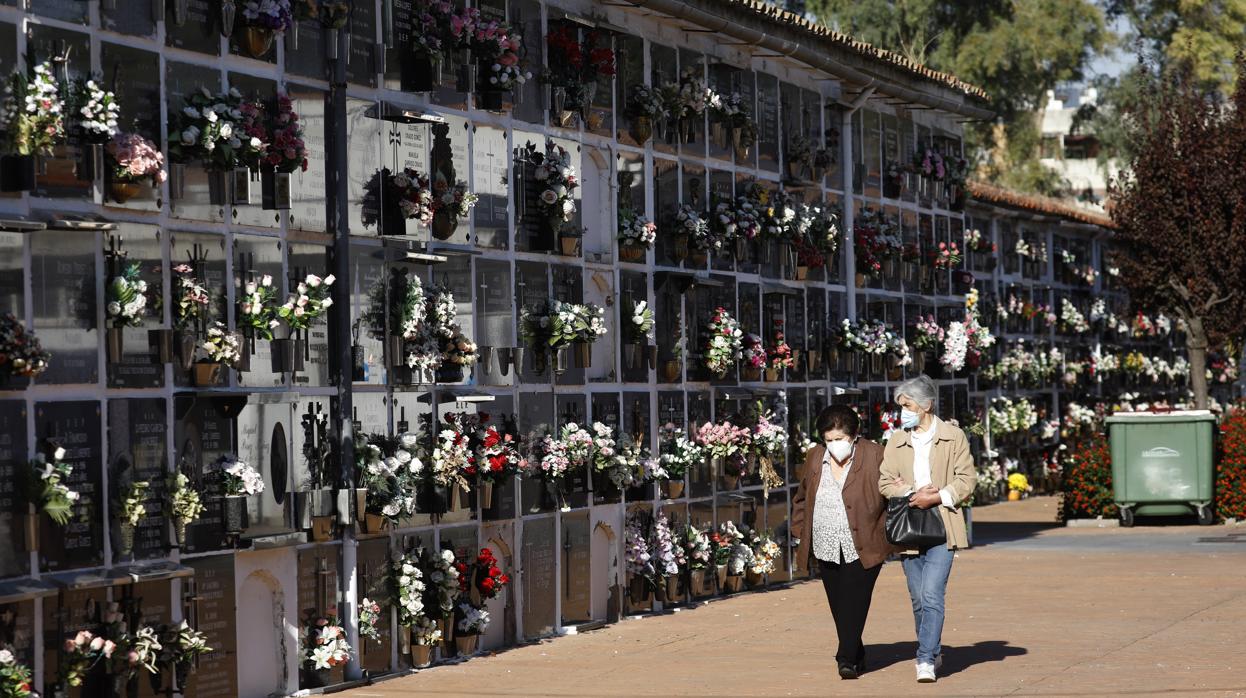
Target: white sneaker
925,672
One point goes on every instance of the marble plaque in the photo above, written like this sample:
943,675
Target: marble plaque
14,558
136,446
74,426
201,30
212,610
539,577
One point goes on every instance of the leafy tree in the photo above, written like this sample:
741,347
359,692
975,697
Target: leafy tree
1016,50
1205,35
1180,211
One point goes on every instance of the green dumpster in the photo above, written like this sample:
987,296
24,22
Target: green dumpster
1163,463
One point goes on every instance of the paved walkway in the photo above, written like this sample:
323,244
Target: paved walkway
1034,610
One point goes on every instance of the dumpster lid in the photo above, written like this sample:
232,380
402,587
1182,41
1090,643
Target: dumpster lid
1161,416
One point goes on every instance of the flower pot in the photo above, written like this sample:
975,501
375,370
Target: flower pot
32,532
773,374
638,590
317,678
125,541
17,173
672,590
490,100
631,252
444,225
218,188
466,644
802,272
671,371
795,169
115,344
516,356
179,531
696,584
374,523
681,247
919,362
730,482
287,355
633,358
322,528
721,572
754,579
860,280
484,494
735,583
256,42
241,178
446,625
453,498
1014,496
750,373
122,192
719,135
275,190
641,129
674,489
421,655
738,144
207,375
569,245
562,359
235,512
160,344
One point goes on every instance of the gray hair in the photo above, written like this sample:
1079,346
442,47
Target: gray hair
919,389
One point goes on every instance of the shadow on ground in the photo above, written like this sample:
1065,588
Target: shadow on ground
955,659
989,533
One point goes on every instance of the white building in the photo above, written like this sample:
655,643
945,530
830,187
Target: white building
1075,155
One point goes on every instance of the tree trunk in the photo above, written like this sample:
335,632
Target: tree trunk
1196,346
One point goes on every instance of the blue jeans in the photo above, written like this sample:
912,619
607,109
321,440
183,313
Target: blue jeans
927,574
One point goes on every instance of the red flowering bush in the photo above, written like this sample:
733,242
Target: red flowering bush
1231,466
1086,490
484,574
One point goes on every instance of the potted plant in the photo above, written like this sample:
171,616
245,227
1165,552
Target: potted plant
449,204
426,634
132,159
21,354
93,112
797,157
389,470
678,453
405,581
16,679
185,506
767,444
495,454
752,358
482,579
549,462
669,559
636,235
698,552
181,646
445,344
472,622
240,481
221,348
779,355
610,471
693,233
131,513
324,648
645,109
638,330
262,20
764,560
725,343
191,306
557,177
127,303
686,104
1018,486
497,50
32,121
638,558
722,442
286,154
446,473
574,69
442,591
47,488
307,304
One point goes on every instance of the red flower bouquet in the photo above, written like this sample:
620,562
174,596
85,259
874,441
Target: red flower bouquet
483,575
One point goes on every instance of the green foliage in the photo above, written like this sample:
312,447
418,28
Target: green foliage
1016,51
1203,35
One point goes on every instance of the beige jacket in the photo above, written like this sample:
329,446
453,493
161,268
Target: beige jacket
951,466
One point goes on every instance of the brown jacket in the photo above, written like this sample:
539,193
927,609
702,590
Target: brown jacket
951,466
867,509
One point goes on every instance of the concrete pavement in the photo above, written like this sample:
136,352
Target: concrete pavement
1034,610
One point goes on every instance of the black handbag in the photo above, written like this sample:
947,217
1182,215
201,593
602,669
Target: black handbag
910,527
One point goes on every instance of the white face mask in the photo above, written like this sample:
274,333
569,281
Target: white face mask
840,449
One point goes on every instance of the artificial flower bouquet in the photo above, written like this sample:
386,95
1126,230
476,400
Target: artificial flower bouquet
21,354
47,486
308,303
725,342
257,311
239,478
324,644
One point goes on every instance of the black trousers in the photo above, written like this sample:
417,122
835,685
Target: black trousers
849,588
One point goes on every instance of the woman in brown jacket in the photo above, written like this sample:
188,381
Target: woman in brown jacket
838,515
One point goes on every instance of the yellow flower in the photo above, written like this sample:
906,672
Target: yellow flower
1018,483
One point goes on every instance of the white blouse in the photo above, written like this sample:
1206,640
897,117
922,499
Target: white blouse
832,534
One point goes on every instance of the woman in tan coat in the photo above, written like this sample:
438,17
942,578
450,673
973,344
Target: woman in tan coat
838,513
929,462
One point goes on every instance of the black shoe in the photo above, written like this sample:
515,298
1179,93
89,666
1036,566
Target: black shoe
849,671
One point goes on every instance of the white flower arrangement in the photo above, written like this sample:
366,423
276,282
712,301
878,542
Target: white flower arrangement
557,176
472,620
222,346
326,645
697,548
241,480
1072,318
692,223
308,302
185,505
406,581
451,458
666,553
678,452
49,490
444,577
32,113
766,554
133,506
640,324
425,631
726,342
637,556
96,110
127,297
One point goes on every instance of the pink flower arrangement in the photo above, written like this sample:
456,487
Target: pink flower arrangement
136,158
754,353
286,150
947,256
780,352
722,439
